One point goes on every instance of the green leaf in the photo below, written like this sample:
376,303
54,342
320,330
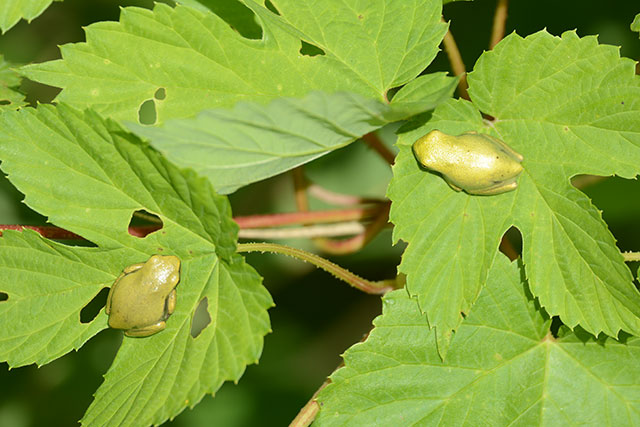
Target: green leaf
253,142
452,237
55,282
234,12
152,380
553,104
10,97
424,93
89,176
182,60
503,368
12,11
635,25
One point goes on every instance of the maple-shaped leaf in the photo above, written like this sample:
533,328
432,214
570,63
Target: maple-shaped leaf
503,367
179,61
161,66
569,106
90,176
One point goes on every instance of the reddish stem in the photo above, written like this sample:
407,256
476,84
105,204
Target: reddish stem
48,231
355,243
57,233
252,221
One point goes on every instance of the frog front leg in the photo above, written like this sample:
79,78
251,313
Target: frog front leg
146,330
107,307
133,267
127,270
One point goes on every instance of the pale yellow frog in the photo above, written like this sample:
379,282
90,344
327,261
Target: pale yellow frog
473,162
144,296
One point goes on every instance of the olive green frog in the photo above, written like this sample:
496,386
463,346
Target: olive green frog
144,296
473,162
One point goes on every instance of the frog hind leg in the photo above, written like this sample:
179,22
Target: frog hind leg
171,302
507,148
498,189
147,330
452,185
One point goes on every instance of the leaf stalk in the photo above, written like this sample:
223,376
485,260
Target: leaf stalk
374,288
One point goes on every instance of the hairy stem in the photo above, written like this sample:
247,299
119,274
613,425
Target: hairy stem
376,288
631,256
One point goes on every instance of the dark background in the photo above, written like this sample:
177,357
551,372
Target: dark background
316,318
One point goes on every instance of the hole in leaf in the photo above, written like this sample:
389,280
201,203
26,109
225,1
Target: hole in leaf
160,94
143,223
556,323
582,181
310,50
201,318
511,243
3,296
4,102
147,112
91,310
271,7
238,16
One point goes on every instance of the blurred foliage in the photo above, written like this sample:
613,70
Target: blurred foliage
316,318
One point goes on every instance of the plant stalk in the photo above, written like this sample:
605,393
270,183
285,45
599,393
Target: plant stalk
374,288
457,64
499,22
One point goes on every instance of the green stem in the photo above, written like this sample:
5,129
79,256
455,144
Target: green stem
376,288
631,256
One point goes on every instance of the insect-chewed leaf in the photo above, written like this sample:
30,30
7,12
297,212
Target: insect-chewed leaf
553,104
